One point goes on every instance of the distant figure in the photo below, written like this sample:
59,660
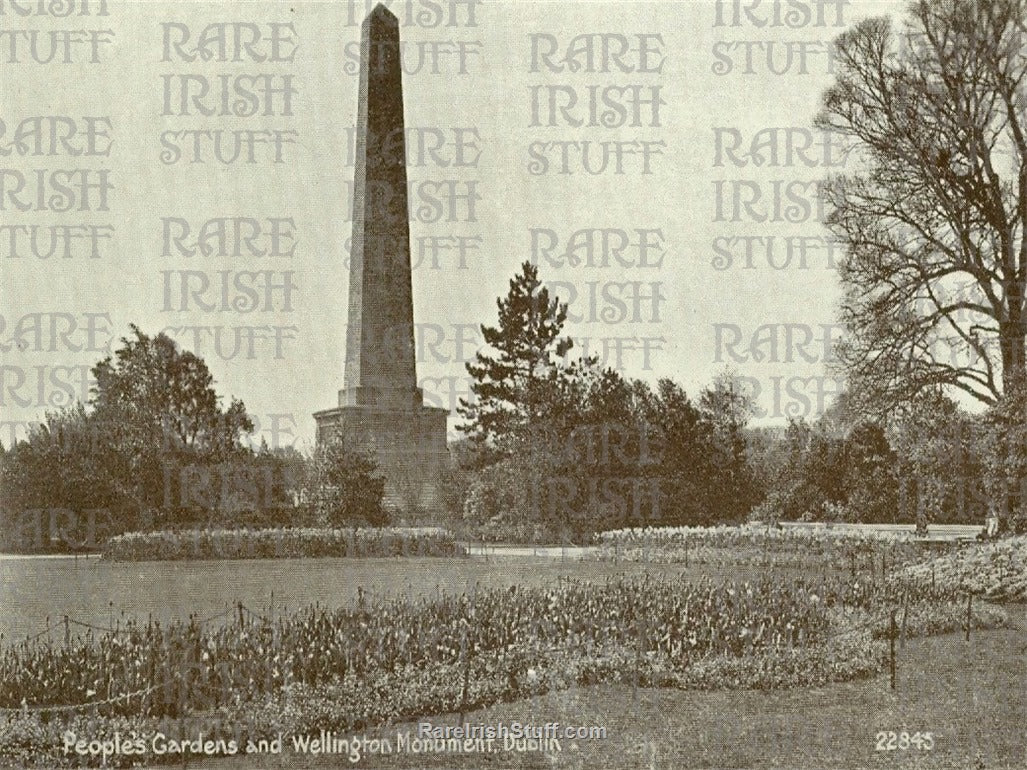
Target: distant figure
991,523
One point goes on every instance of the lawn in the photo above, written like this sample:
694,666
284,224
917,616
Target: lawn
971,696
101,592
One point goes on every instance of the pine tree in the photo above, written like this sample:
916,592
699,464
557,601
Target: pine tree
728,408
513,384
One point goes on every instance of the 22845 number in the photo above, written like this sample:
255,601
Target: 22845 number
888,740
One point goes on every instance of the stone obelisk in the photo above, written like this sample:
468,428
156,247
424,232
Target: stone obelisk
380,406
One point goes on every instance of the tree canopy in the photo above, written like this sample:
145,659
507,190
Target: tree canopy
154,389
934,219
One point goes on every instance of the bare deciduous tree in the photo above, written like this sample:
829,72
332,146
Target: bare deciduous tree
934,220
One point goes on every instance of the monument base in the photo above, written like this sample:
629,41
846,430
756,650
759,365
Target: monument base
409,445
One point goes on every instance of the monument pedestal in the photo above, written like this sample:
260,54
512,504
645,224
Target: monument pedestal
409,445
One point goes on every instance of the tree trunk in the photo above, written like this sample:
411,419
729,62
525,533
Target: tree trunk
1013,345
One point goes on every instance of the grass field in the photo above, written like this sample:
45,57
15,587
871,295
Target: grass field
98,592
33,589
971,696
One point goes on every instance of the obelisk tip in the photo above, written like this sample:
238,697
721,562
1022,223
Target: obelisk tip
382,12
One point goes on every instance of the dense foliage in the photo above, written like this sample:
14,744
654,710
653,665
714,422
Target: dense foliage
560,449
930,463
152,412
155,448
343,486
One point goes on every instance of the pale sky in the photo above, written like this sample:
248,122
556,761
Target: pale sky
495,115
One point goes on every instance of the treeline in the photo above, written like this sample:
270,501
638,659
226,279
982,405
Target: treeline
156,449
625,454
933,463
558,449
607,452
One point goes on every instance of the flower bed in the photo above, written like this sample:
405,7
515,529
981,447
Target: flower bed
196,666
997,570
760,546
281,543
749,535
387,661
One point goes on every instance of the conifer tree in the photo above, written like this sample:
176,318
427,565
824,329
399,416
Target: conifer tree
523,369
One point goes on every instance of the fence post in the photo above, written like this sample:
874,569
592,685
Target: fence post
638,665
67,633
181,730
242,622
467,671
902,632
891,638
969,616
932,578
183,701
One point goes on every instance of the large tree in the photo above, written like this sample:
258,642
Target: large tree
152,440
692,476
727,407
158,391
934,218
50,479
869,480
521,369
937,461
1005,458
156,409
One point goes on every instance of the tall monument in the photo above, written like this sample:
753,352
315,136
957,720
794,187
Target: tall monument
380,406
